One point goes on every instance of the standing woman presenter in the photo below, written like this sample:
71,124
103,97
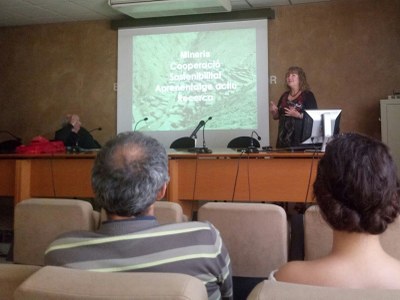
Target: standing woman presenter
291,106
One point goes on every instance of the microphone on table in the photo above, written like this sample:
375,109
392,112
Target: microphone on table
9,146
203,149
206,150
11,134
252,148
94,129
258,137
140,121
96,143
194,133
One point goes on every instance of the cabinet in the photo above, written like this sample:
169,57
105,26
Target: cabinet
390,127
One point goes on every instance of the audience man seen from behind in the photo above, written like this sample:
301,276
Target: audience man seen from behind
130,173
291,106
357,190
74,136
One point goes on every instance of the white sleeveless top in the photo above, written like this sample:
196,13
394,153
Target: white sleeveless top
272,275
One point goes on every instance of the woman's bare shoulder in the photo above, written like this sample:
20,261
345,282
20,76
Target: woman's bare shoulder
315,272
330,271
294,271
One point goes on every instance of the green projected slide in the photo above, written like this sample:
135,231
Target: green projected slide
182,78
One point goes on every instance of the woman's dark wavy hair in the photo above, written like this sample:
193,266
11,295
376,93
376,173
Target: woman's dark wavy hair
128,174
357,188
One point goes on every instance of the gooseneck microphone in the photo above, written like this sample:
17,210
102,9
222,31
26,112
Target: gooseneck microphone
252,148
140,121
9,146
13,135
203,149
95,129
204,139
258,136
194,133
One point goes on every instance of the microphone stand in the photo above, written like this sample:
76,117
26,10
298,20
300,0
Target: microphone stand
252,148
203,149
194,133
194,137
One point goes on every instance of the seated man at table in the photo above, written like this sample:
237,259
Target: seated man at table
130,173
74,135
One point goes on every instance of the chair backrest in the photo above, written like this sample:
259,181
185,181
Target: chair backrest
290,291
243,142
390,239
57,283
255,235
318,236
166,213
11,276
37,222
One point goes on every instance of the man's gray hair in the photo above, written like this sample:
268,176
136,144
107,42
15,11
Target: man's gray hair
128,173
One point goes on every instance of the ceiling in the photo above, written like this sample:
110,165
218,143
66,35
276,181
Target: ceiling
29,12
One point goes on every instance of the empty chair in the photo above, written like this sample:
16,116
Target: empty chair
243,142
318,236
54,283
255,235
182,143
38,222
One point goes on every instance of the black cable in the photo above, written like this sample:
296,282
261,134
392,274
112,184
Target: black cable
309,177
248,175
53,185
195,183
237,174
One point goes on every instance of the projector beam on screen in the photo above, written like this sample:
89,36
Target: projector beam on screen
179,75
